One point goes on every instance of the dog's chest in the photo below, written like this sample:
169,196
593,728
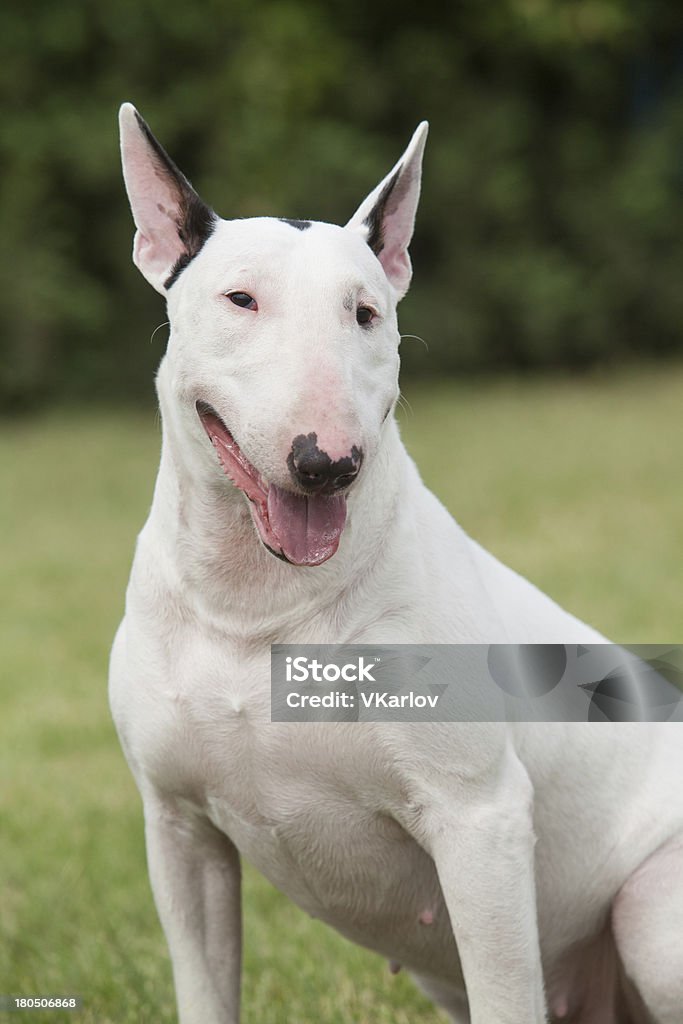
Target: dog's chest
300,802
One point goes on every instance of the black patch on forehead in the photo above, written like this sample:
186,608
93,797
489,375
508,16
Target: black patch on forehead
375,219
300,225
195,220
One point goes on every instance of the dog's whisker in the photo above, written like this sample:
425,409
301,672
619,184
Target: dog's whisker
414,337
405,404
165,324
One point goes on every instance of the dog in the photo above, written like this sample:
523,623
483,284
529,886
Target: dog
520,872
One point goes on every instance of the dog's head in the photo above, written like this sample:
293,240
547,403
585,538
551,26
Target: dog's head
283,351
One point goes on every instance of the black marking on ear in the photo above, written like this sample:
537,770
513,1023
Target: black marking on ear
375,219
198,224
195,221
300,225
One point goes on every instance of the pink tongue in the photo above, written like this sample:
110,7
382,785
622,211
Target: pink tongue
307,529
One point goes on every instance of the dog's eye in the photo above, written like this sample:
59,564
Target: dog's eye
364,315
243,300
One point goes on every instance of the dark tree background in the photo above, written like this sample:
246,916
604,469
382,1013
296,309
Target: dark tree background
551,230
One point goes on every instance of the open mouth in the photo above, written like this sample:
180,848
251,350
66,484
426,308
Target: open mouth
302,529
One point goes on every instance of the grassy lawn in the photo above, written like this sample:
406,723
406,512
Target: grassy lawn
576,484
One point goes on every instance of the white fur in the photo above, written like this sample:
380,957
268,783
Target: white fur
511,841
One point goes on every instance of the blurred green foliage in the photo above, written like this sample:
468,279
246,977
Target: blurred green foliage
551,230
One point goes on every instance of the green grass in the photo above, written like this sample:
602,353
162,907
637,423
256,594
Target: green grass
575,484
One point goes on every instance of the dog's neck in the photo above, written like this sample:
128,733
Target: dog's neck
211,553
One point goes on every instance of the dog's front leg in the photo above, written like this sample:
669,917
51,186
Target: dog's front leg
483,846
195,874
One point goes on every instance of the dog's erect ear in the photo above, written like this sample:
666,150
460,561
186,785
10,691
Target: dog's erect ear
172,221
387,216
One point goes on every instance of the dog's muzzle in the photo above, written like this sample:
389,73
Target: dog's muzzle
303,527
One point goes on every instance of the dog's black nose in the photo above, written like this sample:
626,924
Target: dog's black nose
314,471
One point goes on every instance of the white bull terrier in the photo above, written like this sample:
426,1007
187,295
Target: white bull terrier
520,872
